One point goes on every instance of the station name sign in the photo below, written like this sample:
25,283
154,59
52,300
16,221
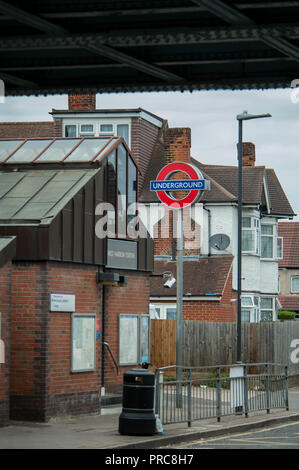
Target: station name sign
178,185
194,186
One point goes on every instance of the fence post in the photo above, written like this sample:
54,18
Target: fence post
189,398
286,388
218,394
267,388
245,391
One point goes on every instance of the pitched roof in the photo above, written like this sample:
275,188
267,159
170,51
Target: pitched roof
37,196
12,130
290,233
201,277
227,177
279,203
290,302
224,183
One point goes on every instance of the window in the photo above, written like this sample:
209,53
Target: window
295,284
163,311
267,308
106,129
267,241
121,190
250,308
86,130
250,235
70,131
280,247
123,131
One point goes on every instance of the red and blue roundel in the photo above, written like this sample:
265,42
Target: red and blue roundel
163,185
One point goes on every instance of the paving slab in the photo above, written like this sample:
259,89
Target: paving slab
100,431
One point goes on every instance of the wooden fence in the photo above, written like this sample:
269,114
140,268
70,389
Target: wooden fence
212,343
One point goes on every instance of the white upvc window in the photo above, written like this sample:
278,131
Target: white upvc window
163,311
295,284
271,244
87,130
268,308
250,235
250,309
70,130
97,128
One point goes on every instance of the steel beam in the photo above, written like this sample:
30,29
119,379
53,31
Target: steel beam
103,50
233,16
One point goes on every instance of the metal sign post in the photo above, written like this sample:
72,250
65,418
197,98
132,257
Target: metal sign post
164,187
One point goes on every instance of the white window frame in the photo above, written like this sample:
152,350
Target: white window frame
292,289
163,309
96,123
255,229
87,133
250,303
279,252
273,308
273,236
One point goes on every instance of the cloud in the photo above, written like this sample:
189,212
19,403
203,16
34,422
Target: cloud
211,115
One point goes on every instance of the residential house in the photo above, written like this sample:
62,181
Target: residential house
289,267
264,203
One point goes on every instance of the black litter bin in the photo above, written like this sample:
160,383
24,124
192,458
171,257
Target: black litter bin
137,417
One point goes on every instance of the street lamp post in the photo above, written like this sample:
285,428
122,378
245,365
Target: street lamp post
241,117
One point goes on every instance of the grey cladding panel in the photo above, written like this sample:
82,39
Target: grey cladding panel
53,191
28,187
10,206
33,210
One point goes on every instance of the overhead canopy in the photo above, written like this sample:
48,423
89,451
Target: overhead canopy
147,45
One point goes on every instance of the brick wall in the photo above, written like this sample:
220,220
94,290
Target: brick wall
42,384
81,102
5,309
223,311
133,298
13,130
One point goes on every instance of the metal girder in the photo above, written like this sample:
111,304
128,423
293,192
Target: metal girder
224,11
16,80
172,36
132,62
37,22
233,16
24,17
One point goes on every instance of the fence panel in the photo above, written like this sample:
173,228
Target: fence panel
211,343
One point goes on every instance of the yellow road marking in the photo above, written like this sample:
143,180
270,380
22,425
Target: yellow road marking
212,439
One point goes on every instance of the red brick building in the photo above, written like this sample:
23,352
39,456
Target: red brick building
7,252
289,267
74,294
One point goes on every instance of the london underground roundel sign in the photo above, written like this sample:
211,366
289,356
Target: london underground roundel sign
165,186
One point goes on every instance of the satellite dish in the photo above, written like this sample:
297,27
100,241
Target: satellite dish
219,241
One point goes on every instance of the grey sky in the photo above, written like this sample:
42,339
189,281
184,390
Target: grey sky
212,119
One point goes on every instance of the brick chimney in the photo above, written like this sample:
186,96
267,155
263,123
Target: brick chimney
248,154
82,102
177,144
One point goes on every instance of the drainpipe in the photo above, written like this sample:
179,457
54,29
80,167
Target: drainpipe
209,229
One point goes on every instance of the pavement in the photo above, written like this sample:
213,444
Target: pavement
100,431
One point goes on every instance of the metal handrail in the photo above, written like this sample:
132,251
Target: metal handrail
112,355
